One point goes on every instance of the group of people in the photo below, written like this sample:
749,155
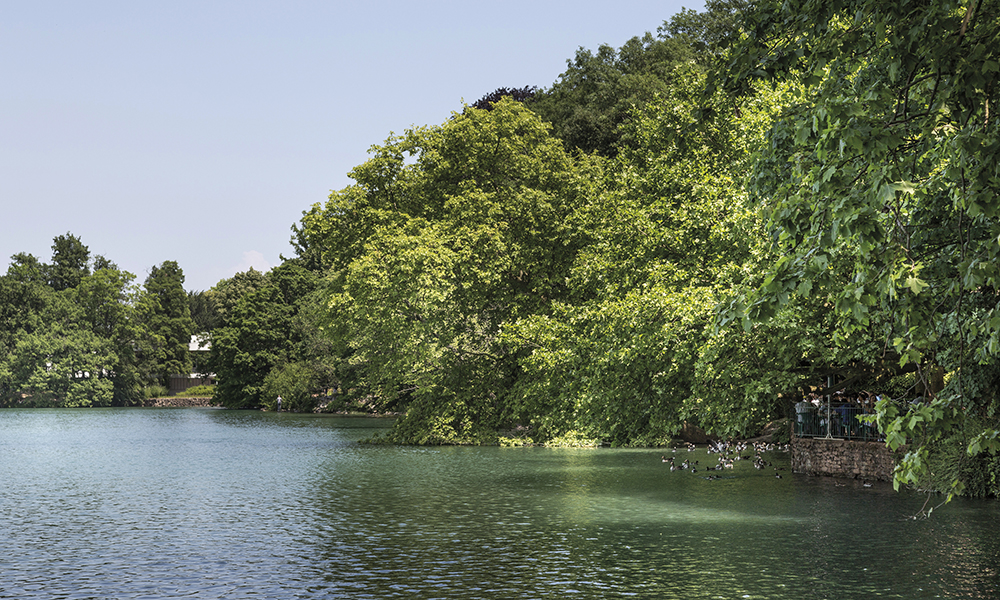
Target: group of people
844,410
863,401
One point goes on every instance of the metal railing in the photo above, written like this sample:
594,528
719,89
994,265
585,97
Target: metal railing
843,424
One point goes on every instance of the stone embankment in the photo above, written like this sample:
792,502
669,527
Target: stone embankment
842,458
179,402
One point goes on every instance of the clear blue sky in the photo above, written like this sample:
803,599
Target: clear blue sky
199,131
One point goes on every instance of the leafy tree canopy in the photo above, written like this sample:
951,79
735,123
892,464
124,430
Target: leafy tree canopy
432,255
83,345
261,333
70,262
880,184
594,97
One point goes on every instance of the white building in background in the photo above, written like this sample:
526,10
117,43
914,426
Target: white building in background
200,343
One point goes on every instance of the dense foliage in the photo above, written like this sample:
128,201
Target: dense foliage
170,319
489,283
599,91
267,343
517,94
73,335
880,183
430,260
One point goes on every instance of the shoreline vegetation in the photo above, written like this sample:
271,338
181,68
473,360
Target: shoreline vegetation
699,229
180,402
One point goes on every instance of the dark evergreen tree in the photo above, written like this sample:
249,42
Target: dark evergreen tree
517,94
170,319
260,332
204,312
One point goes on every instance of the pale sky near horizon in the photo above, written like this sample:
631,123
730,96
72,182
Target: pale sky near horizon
199,131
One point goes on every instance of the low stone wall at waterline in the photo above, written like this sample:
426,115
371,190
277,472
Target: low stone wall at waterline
178,402
842,458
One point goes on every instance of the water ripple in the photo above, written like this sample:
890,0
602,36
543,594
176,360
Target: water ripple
216,504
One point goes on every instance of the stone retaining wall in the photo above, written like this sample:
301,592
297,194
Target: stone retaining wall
842,458
178,402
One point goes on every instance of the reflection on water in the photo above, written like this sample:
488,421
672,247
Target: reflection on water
207,503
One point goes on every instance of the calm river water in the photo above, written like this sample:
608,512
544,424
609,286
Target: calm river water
146,503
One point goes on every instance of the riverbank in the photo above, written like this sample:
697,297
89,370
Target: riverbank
179,402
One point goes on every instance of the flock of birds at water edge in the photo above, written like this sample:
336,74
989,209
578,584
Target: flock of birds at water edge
728,453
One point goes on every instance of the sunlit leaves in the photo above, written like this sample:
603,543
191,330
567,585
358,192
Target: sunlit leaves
886,164
450,234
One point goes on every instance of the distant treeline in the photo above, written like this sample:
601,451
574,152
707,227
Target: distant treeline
78,331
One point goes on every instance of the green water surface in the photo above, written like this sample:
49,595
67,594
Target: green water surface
203,503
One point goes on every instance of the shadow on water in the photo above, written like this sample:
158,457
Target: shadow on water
239,504
616,523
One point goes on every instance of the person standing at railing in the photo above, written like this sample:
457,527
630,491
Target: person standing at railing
843,413
803,413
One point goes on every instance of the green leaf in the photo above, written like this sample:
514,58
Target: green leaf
916,285
907,187
886,193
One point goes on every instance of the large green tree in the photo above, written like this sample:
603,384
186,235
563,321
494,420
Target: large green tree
70,262
886,169
669,238
116,310
169,320
204,311
594,96
23,295
449,234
